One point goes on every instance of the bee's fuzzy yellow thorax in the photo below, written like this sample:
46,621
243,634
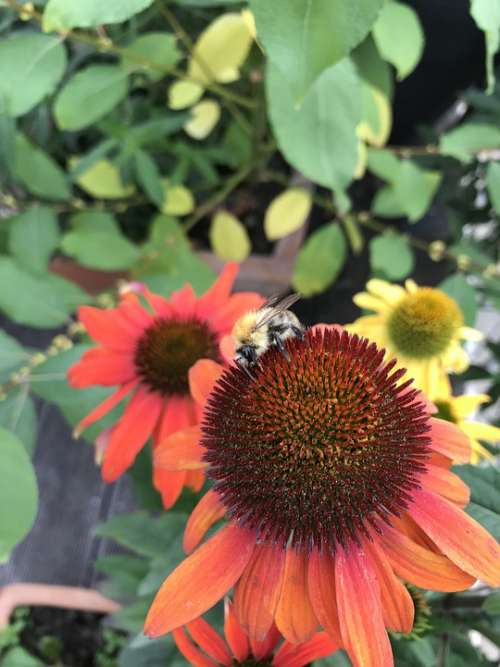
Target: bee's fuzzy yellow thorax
244,327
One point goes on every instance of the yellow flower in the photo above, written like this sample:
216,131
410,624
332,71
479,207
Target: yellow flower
456,408
421,326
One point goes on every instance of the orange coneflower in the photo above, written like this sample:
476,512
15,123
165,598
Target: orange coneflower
336,483
147,347
203,647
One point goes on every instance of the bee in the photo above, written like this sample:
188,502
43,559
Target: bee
258,330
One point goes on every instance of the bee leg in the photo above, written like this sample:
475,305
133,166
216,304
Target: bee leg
247,370
281,347
299,333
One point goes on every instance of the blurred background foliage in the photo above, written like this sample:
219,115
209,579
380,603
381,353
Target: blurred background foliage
142,138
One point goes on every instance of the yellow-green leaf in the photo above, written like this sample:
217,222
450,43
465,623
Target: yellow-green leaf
183,94
362,160
103,180
178,200
221,49
229,237
376,123
204,117
287,213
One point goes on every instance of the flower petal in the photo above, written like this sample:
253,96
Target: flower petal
449,440
195,479
169,485
370,302
206,637
134,313
360,610
181,451
398,609
189,650
161,306
109,327
292,655
103,408
295,617
419,566
201,580
458,536
384,290
262,649
234,633
102,366
447,484
202,377
321,585
207,512
223,319
482,431
131,432
257,593
463,406
184,301
215,297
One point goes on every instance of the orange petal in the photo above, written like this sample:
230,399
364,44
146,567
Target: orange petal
184,301
195,479
189,650
447,484
295,617
103,367
234,633
131,433
201,580
215,297
398,609
223,319
360,610
202,377
103,408
257,592
179,413
206,637
181,451
109,327
169,484
420,566
321,584
227,348
207,512
161,306
293,655
449,440
262,649
458,536
132,311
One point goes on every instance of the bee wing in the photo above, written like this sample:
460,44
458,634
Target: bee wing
277,303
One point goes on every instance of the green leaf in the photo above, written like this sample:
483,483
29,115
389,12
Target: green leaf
158,50
103,180
131,617
486,14
60,15
100,249
484,483
18,657
319,139
466,141
464,294
320,260
31,66
89,95
229,238
391,254
7,145
492,604
287,213
124,574
415,188
12,354
33,237
149,178
18,493
493,184
18,415
144,534
303,38
372,69
405,50
146,652
383,164
38,301
387,204
38,172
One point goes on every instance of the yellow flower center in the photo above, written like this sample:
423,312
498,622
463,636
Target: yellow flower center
424,323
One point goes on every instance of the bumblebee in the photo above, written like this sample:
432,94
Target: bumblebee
271,325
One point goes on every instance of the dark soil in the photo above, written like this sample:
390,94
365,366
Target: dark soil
69,638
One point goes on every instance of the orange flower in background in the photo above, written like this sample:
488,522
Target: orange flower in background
147,348
203,647
336,484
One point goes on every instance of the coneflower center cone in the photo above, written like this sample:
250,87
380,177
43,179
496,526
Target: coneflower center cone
318,446
424,323
168,349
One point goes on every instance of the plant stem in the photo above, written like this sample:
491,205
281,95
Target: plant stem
442,650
